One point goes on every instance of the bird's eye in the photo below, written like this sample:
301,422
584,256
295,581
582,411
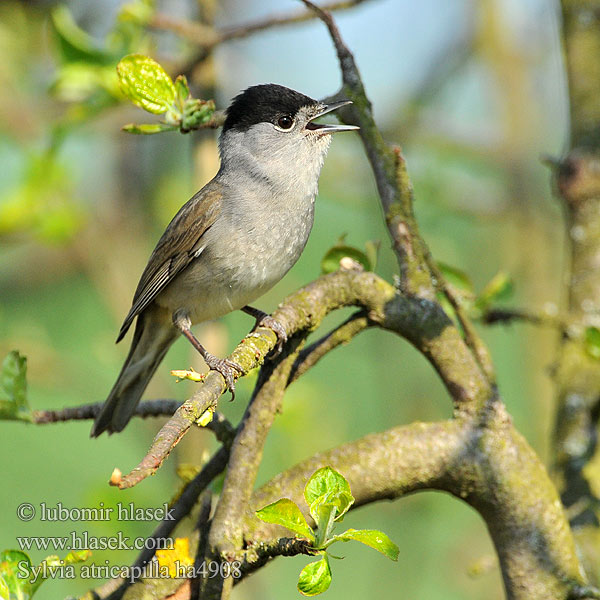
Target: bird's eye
285,122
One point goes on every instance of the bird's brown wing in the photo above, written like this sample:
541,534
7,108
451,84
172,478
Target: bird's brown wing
177,247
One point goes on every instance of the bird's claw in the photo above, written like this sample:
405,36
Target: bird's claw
228,370
272,323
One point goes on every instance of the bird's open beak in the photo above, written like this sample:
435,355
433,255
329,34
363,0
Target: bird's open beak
324,128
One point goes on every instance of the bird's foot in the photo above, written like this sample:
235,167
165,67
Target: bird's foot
265,320
271,323
227,368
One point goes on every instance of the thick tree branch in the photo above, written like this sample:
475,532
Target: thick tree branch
421,322
479,466
577,373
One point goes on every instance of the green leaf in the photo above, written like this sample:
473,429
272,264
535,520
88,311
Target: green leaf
500,287
15,568
13,388
315,578
331,261
77,556
148,128
455,277
182,90
592,342
373,538
285,512
146,84
372,251
327,487
4,591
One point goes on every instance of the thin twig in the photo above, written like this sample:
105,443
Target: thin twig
258,555
342,334
392,180
252,559
471,336
417,270
207,38
149,408
220,425
504,316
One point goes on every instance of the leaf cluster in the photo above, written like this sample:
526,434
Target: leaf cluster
328,496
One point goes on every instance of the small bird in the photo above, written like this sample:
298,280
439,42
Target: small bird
232,241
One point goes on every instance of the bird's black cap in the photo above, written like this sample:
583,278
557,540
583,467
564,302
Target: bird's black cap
263,103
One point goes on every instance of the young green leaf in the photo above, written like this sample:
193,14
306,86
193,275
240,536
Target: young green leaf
146,84
372,252
456,278
328,487
13,388
331,261
315,578
182,90
592,342
148,128
4,591
373,538
195,113
76,556
500,287
14,569
285,512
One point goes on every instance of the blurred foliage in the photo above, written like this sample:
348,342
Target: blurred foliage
475,99
13,388
43,203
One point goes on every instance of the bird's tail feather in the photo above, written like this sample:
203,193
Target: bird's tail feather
148,347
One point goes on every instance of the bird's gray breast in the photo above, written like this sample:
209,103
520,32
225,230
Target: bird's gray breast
257,238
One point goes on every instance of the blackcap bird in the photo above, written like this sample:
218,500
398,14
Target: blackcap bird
232,241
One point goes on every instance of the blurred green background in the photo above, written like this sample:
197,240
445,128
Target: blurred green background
473,91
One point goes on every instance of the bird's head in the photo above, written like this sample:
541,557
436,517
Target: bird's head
276,127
